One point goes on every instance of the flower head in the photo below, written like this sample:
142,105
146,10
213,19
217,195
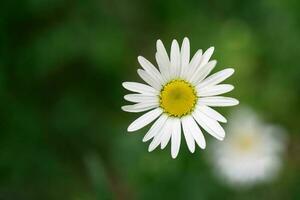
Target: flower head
251,152
179,94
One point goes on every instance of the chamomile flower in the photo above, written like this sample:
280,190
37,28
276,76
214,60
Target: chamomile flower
179,96
252,151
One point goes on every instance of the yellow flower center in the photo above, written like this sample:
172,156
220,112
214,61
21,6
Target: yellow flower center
178,98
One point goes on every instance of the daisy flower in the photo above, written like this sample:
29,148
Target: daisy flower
179,96
252,150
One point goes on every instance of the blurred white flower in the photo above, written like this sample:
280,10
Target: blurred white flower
179,94
252,151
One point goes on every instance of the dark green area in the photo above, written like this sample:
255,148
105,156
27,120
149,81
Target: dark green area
62,62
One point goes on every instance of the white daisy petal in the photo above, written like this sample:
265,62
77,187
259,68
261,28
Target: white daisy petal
206,56
185,54
211,113
161,50
218,101
188,135
192,127
176,137
175,59
148,79
144,120
167,127
165,138
162,59
216,78
193,65
140,107
139,98
202,72
163,67
139,87
156,127
150,69
214,90
209,125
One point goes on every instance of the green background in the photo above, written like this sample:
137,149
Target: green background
62,132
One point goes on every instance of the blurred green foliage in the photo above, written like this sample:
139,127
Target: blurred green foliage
63,135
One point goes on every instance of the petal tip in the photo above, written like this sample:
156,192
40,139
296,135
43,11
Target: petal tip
159,43
231,70
124,84
130,129
174,43
140,58
150,149
212,49
214,62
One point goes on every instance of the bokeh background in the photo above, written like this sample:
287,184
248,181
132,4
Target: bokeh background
63,134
